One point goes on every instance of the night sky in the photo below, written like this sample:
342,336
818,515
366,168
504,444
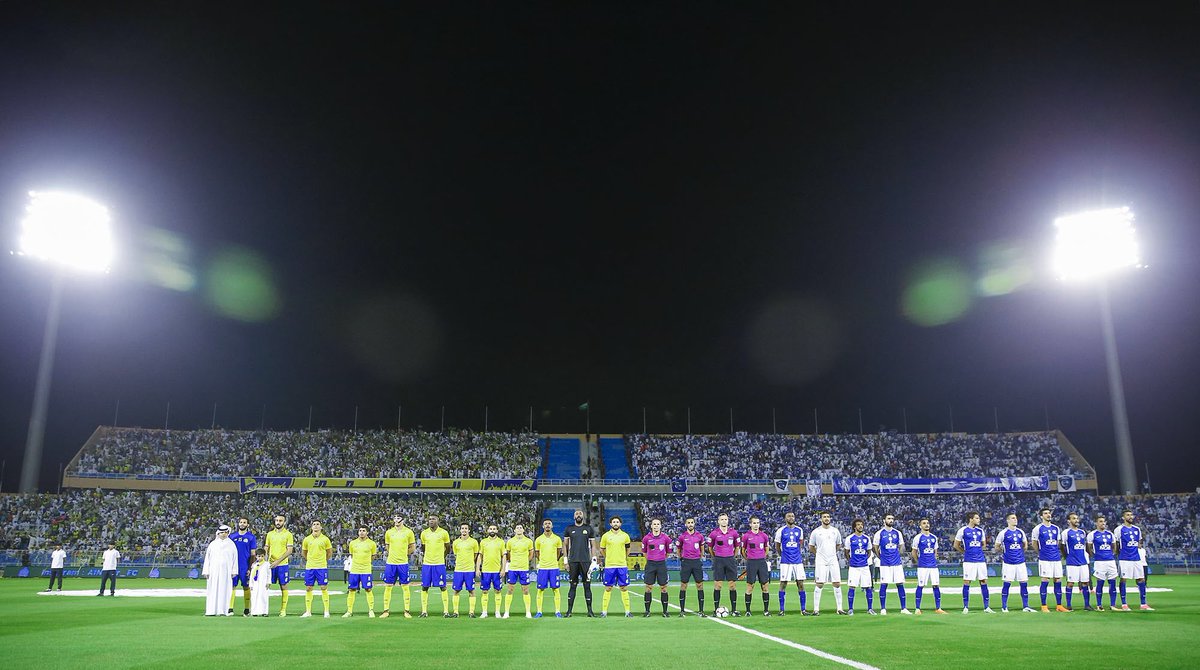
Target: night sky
399,208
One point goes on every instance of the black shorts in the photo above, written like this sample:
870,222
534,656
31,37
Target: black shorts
578,569
656,573
757,572
690,570
724,569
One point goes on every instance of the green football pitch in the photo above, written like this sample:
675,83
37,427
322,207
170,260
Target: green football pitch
157,628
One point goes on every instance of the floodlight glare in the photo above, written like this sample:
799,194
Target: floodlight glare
67,229
1092,244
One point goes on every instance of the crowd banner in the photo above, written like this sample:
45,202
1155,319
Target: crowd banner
850,485
360,484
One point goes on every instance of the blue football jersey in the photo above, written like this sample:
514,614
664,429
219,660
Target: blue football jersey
860,550
1102,545
245,543
791,544
891,544
972,541
1075,540
1013,541
1047,536
1131,539
926,545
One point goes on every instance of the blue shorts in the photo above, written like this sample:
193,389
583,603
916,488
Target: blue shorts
316,576
433,575
547,578
392,572
242,576
616,576
464,580
281,574
490,580
521,576
359,581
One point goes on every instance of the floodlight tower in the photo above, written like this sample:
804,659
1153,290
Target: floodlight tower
71,233
1091,246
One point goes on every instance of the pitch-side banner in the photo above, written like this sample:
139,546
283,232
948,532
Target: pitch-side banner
848,485
360,484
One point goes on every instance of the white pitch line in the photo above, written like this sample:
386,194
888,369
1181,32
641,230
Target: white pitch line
794,645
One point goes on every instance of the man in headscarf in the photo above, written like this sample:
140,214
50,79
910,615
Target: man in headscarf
220,564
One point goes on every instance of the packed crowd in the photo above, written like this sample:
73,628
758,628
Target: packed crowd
183,523
380,453
1168,521
753,456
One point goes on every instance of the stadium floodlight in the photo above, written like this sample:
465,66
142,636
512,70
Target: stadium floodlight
70,232
1092,246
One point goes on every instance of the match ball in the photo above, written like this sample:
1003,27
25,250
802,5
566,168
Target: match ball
722,612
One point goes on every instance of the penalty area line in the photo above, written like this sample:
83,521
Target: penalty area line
787,643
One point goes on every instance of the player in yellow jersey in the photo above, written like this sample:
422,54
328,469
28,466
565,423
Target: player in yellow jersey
435,543
466,564
519,550
549,549
614,554
491,569
362,550
316,549
401,543
280,545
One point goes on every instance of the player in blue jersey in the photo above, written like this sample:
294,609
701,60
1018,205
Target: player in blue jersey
1012,543
924,554
245,542
858,562
970,540
889,547
1074,543
1129,542
1047,538
1100,543
789,544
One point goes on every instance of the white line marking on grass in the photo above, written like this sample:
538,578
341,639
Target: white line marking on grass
168,593
794,645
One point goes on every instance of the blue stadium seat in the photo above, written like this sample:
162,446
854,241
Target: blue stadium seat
563,458
612,452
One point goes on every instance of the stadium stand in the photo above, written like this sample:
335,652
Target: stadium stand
206,454
753,456
615,457
563,458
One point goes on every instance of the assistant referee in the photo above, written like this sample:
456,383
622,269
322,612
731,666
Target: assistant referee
577,541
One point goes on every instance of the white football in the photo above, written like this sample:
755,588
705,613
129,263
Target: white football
722,612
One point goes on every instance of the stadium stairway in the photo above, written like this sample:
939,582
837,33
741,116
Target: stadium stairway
562,458
615,458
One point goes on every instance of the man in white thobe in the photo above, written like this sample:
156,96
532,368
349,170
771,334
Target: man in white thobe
220,564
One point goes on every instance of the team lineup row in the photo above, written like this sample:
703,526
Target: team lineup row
235,558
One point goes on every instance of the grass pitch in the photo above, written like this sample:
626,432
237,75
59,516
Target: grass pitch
170,632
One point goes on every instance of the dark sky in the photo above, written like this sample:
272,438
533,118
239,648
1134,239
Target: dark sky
681,205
